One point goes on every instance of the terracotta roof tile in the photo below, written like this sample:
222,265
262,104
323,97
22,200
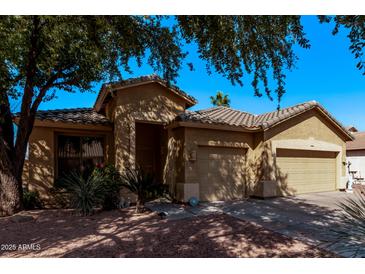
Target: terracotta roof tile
219,115
72,115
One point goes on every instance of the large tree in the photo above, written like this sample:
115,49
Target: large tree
40,55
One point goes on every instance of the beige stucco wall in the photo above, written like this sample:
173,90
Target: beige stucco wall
41,162
174,169
39,170
151,103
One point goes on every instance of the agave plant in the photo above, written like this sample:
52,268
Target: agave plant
143,184
351,233
84,193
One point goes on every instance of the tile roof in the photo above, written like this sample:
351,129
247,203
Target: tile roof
269,119
228,116
143,80
358,143
219,115
73,115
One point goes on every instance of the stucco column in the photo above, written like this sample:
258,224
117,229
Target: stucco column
125,141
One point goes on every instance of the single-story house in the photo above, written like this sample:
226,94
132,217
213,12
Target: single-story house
213,154
355,152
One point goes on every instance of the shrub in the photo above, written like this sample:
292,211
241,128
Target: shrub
84,193
31,200
144,185
110,185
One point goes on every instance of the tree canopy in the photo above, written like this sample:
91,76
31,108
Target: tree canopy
72,52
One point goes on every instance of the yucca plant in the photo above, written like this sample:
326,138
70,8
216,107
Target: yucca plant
351,232
144,185
84,193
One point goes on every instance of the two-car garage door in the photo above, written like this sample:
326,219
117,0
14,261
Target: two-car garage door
305,171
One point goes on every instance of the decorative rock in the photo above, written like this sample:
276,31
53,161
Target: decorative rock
193,201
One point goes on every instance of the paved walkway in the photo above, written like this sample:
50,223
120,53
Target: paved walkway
311,218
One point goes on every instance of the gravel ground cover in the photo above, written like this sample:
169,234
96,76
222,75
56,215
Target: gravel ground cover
123,233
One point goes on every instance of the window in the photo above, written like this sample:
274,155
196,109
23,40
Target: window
79,153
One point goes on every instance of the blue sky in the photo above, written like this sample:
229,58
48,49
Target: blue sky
326,73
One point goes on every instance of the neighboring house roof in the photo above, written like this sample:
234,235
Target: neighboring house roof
358,143
153,78
72,115
231,117
351,129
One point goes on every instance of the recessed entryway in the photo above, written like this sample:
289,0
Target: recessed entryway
150,148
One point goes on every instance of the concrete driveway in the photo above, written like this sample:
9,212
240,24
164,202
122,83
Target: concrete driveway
323,199
310,217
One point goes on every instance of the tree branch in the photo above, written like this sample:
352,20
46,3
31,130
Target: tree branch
43,91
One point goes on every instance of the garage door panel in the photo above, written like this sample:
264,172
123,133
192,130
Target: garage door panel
220,173
307,174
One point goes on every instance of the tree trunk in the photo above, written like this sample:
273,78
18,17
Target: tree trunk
10,185
10,194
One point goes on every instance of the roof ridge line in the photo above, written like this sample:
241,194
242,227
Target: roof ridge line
65,109
223,107
314,102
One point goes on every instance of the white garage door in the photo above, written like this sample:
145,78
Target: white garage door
221,173
304,171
